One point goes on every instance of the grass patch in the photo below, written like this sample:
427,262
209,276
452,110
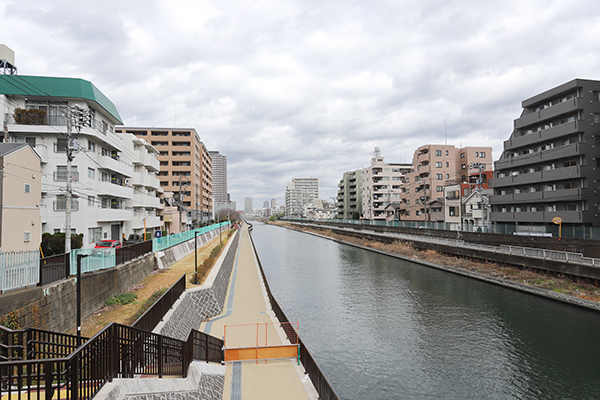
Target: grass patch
121,298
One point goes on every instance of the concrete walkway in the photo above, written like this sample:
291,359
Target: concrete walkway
247,303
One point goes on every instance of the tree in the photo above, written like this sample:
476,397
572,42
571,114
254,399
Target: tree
55,243
355,215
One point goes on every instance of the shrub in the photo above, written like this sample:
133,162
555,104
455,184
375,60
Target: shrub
122,298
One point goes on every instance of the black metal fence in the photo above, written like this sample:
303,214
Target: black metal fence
127,253
36,344
117,351
154,314
320,382
54,268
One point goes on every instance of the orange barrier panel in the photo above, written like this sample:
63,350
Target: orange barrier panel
261,341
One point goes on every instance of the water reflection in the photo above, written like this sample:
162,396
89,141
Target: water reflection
383,328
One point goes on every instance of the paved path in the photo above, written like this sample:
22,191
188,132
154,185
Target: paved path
247,303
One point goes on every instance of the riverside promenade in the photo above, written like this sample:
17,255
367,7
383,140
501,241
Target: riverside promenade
247,303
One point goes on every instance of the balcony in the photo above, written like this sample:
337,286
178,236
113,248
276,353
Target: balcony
115,165
105,188
113,215
544,135
143,200
151,222
561,173
539,156
549,113
145,179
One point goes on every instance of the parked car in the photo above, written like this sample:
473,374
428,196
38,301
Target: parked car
108,244
133,239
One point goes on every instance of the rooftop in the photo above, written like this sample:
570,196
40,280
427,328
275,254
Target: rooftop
52,87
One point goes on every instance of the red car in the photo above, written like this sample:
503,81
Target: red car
108,244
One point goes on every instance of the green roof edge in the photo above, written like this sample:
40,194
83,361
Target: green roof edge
55,87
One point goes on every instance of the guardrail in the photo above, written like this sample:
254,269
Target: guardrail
19,269
569,257
117,351
154,314
317,377
54,268
26,268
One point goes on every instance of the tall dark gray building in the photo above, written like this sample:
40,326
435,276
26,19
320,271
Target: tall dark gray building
550,166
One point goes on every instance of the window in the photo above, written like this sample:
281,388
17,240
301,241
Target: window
26,236
482,154
462,155
438,164
91,173
596,95
61,145
452,211
90,200
571,207
91,146
407,190
439,188
60,175
30,141
60,204
27,188
164,163
95,234
447,176
476,154
439,177
438,153
463,166
447,152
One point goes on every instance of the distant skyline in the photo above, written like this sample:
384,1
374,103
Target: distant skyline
296,89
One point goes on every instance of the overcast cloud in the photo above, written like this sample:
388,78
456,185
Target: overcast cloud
308,88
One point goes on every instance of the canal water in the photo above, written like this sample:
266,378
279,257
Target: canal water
383,328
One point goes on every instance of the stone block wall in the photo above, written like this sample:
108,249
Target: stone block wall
54,307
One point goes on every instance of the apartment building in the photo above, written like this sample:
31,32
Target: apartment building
36,110
147,203
185,168
219,180
550,166
434,167
349,195
382,184
298,193
20,196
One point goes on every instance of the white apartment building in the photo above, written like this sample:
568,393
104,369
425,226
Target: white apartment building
147,201
35,110
382,184
299,193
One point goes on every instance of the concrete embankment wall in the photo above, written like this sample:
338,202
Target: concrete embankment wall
54,306
588,247
203,302
383,234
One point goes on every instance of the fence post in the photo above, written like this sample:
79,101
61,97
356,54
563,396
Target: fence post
75,376
67,265
160,356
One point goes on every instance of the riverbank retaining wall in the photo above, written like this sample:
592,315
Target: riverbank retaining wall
588,247
384,234
203,302
54,307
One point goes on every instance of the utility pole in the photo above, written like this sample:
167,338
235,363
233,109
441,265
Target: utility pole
75,117
5,137
68,194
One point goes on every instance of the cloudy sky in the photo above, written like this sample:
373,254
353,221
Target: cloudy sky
303,88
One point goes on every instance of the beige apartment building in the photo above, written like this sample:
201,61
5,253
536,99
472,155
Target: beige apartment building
434,167
185,168
20,197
